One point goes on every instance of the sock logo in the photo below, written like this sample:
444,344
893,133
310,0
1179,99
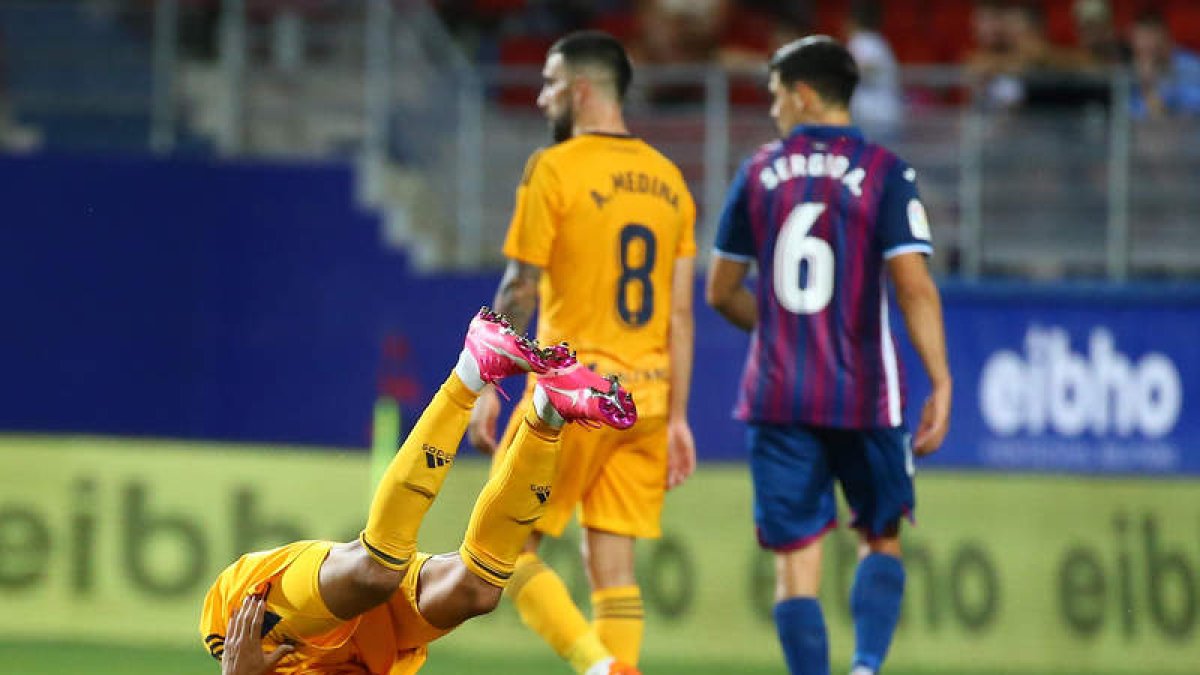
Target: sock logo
542,492
435,458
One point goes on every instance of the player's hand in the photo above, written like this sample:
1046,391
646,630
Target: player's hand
935,421
243,641
481,430
681,453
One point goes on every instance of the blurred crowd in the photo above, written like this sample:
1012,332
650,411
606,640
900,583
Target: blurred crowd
1014,61
1016,52
1013,54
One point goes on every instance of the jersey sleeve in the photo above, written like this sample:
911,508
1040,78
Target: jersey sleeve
734,237
535,219
903,226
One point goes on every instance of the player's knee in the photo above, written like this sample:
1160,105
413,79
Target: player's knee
607,568
375,582
887,541
609,573
351,582
478,596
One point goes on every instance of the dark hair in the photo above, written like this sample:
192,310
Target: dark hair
820,62
597,48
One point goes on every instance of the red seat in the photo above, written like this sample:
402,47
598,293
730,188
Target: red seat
1183,19
621,25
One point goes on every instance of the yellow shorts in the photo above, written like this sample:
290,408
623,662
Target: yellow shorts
616,478
389,639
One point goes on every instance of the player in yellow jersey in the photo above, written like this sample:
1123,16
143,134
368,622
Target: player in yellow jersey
602,243
371,606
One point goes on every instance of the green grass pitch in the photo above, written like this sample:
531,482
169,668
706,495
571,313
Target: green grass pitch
57,658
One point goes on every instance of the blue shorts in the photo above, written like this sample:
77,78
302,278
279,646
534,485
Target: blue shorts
794,467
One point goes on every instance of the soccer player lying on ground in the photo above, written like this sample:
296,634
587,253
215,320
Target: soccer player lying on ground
373,604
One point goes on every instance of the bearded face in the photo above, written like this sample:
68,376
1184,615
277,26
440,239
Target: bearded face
562,126
555,98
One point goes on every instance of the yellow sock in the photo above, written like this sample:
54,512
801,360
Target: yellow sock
511,501
546,607
416,475
619,621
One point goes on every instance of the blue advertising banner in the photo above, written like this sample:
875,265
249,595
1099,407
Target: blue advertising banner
1080,379
259,303
1060,378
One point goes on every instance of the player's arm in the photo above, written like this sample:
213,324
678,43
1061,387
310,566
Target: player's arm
725,289
530,240
906,243
922,307
517,295
681,447
516,298
726,292
243,641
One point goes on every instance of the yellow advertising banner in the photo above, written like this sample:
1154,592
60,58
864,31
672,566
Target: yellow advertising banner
117,540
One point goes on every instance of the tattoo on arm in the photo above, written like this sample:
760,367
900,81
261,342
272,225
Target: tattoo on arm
517,296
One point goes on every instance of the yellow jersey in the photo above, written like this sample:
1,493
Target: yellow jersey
389,639
606,216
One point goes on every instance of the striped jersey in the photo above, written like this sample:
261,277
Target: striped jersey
820,213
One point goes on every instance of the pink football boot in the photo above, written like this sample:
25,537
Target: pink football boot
580,395
499,350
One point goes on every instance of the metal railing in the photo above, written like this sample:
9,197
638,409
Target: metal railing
1040,191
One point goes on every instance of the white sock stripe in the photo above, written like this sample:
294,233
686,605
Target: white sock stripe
545,409
467,370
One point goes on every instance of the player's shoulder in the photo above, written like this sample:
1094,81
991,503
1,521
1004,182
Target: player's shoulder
765,152
893,166
531,164
555,158
883,152
568,149
668,166
762,156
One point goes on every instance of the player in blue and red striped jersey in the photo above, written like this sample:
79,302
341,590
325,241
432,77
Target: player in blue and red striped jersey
828,217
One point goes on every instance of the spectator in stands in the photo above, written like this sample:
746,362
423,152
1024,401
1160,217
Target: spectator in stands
1053,76
992,64
1021,66
1098,40
1032,50
1166,76
675,32
876,105
751,30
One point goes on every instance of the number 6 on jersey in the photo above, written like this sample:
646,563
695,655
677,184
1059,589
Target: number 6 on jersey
795,253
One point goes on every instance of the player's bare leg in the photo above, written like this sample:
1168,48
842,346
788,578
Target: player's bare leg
875,598
617,609
798,616
798,573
